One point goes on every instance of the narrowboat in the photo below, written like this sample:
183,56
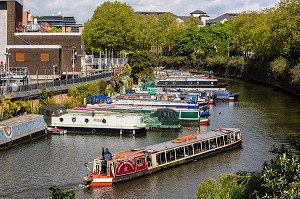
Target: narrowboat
190,82
121,166
102,100
21,129
86,120
225,95
186,117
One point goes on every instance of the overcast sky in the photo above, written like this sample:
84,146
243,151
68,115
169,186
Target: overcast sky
83,10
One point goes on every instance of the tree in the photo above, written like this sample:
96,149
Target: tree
282,179
112,26
141,64
43,96
168,29
192,22
148,36
54,29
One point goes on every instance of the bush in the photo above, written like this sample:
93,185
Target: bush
295,74
278,66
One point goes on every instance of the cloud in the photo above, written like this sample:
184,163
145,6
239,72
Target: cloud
84,9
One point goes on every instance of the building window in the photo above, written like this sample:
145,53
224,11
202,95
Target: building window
44,56
19,56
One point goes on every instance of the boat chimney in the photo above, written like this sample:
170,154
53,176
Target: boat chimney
103,152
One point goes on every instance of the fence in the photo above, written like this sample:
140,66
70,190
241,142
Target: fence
28,90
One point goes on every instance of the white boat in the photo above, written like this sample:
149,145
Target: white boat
86,120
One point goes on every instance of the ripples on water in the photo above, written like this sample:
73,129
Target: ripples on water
265,115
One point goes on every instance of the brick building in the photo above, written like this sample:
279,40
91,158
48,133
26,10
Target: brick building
35,50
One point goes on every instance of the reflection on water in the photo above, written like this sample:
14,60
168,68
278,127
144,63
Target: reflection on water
266,116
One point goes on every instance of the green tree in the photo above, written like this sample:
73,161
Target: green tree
102,87
43,96
57,193
141,64
168,30
112,26
54,29
148,36
282,178
192,22
128,70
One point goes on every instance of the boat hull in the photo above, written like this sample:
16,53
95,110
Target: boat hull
99,130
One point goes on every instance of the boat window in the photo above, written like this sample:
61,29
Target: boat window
158,159
212,143
190,150
139,161
149,162
206,145
179,153
195,145
163,157
168,154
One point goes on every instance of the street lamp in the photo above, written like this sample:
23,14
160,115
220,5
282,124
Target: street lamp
74,57
54,67
7,54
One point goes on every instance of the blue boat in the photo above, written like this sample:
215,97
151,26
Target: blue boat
21,129
225,95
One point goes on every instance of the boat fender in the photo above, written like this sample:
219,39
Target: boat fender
104,120
8,133
86,120
61,119
74,119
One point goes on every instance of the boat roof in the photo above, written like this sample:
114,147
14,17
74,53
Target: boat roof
170,144
126,154
19,119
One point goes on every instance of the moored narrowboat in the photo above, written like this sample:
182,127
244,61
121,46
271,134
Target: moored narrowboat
21,129
88,120
137,162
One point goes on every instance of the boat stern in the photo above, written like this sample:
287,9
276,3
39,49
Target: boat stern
95,180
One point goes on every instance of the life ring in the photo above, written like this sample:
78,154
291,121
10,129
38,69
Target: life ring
190,137
178,140
74,119
184,138
8,133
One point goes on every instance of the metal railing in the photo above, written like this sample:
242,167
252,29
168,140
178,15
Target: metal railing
21,91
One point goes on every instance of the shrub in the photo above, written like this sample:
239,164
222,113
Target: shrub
295,74
278,66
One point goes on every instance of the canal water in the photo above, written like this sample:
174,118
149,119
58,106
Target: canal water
265,115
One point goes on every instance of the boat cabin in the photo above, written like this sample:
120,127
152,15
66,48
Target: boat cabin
99,99
123,163
50,111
